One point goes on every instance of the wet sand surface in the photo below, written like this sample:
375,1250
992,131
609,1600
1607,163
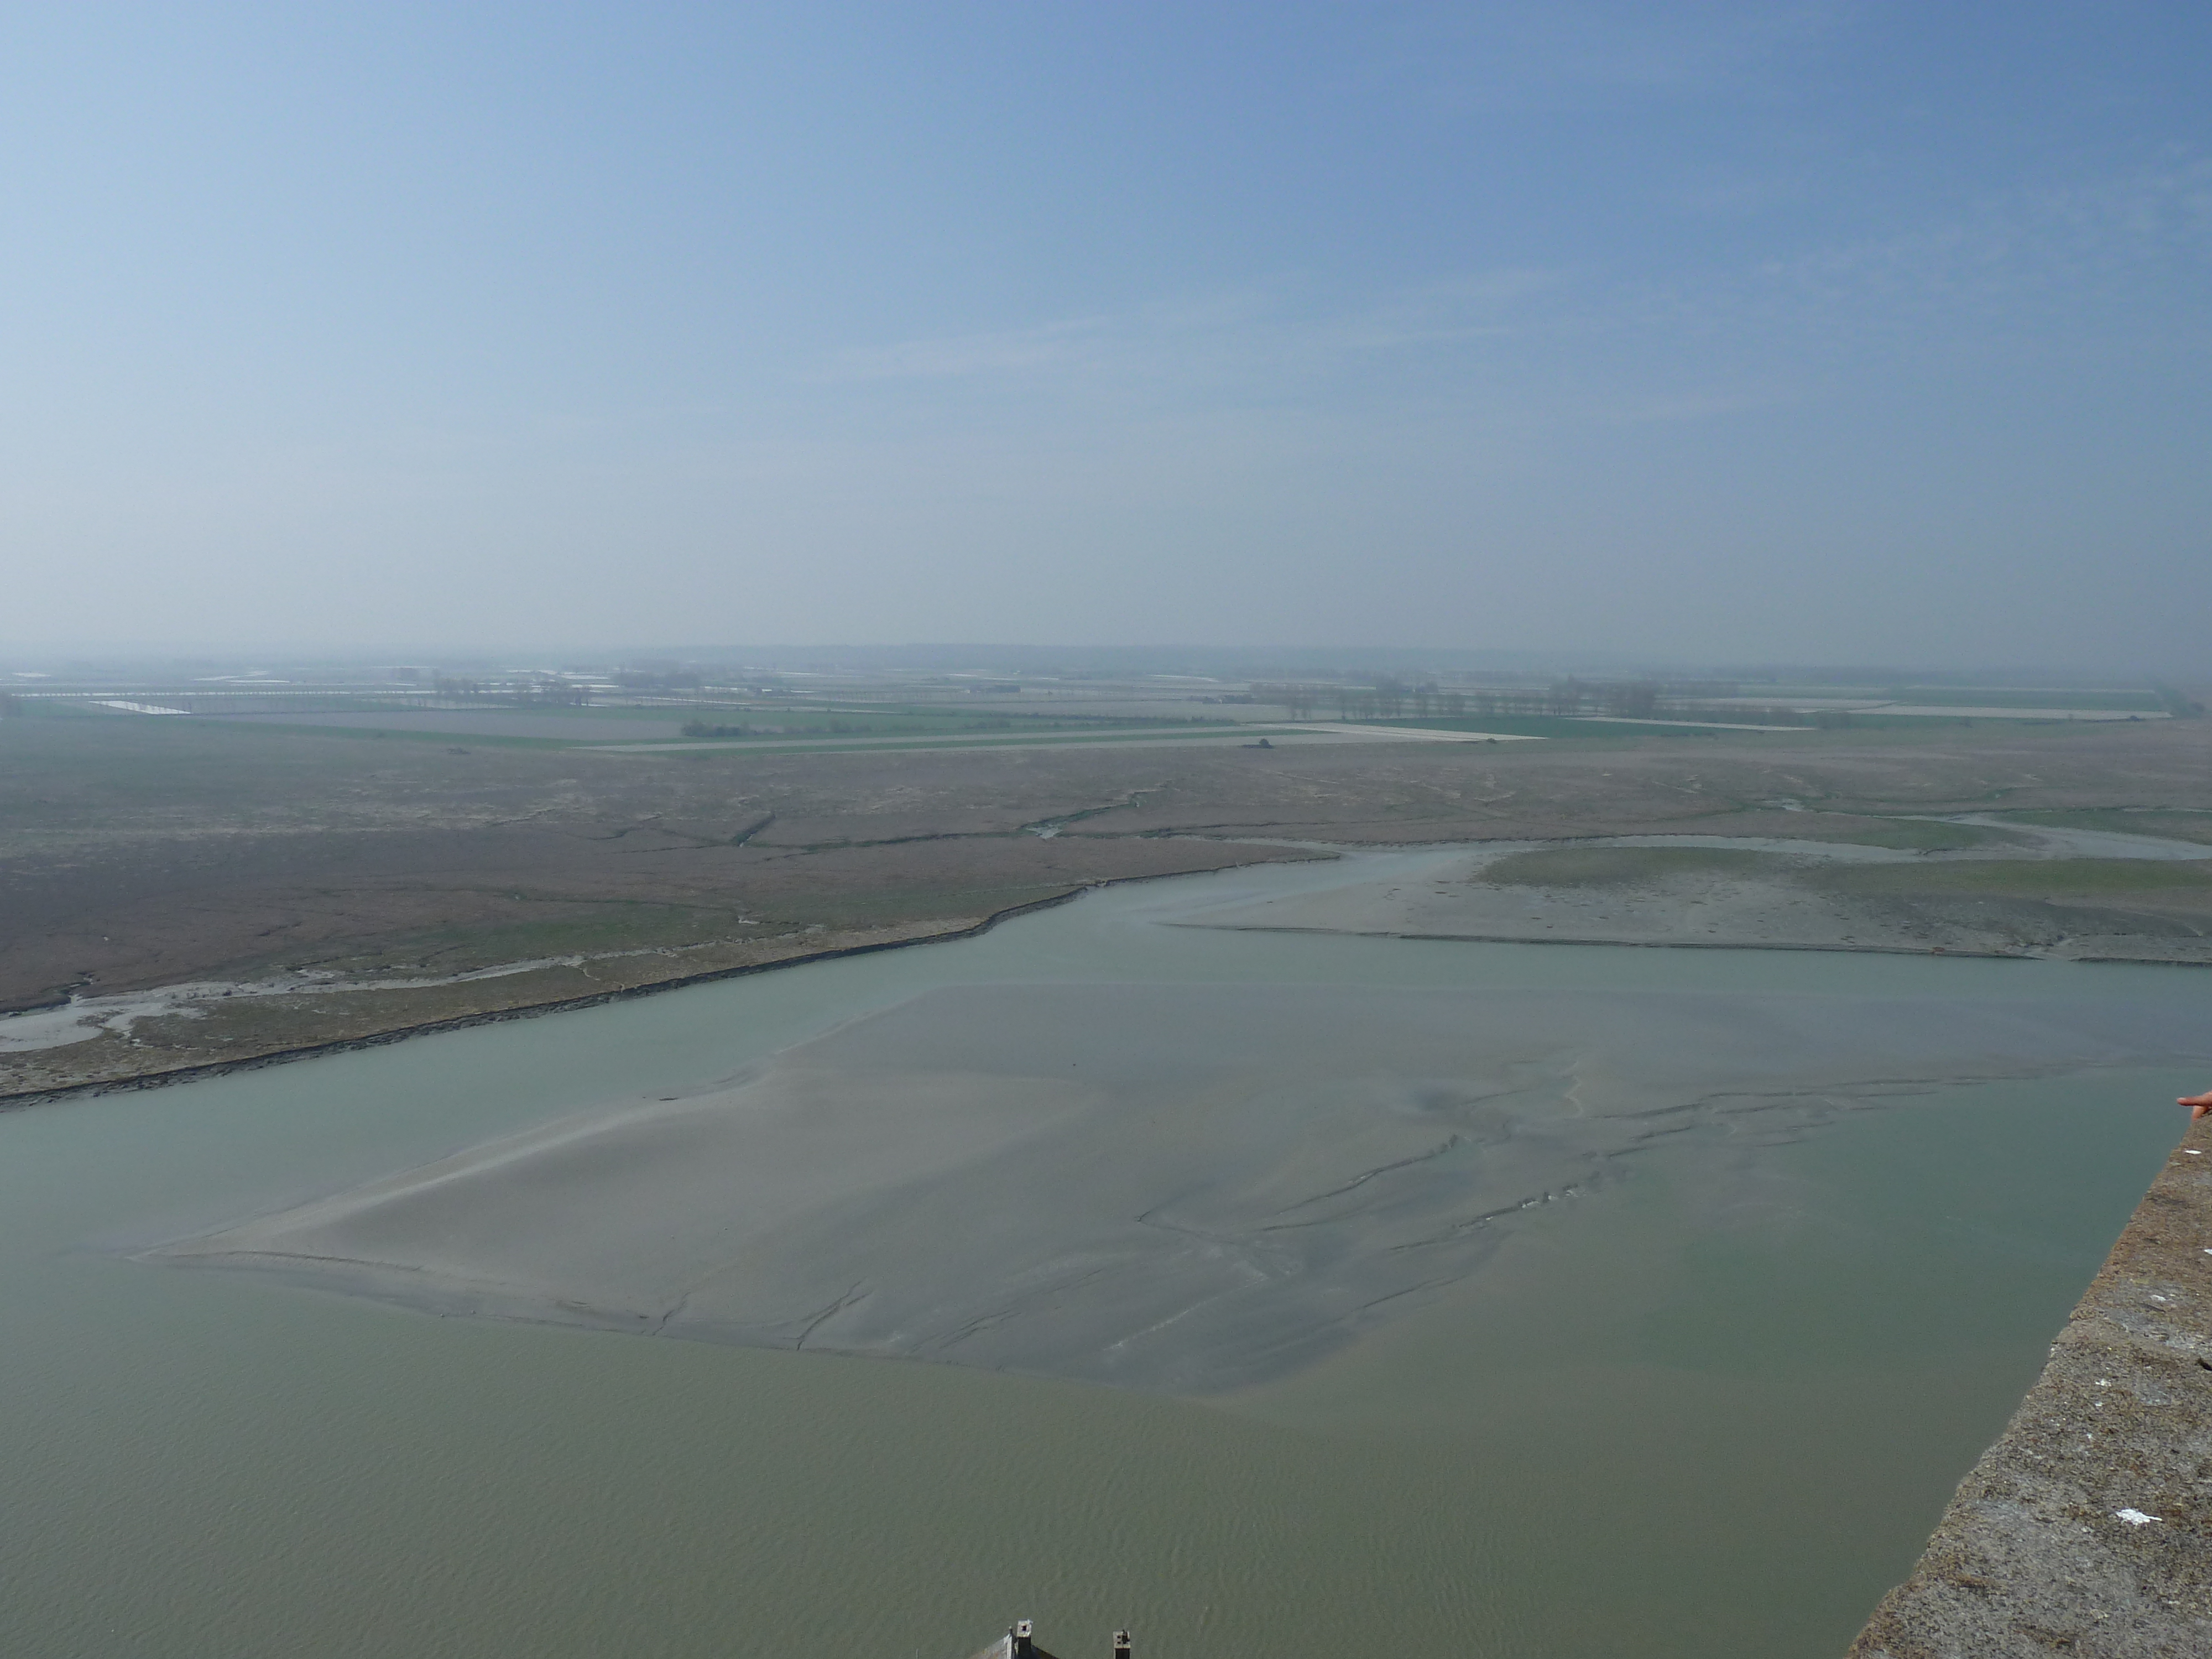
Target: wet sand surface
1707,1409
1751,904
1179,1190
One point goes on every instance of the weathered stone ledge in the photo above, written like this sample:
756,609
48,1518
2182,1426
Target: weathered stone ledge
2086,1528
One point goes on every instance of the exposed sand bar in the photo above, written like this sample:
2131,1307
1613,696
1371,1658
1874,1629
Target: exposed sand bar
1177,1188
1754,893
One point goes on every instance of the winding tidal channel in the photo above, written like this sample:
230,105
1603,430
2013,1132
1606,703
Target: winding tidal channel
1268,1291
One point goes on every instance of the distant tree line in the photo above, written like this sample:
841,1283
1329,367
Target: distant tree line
836,728
526,693
701,729
1739,714
819,728
1388,697
640,679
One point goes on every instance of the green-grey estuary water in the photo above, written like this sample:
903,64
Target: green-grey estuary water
1269,1292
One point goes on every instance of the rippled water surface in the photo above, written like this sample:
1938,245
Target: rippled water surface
1708,1404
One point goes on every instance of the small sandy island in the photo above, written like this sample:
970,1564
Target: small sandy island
2013,892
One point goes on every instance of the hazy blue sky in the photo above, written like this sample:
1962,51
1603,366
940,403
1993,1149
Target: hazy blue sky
1872,332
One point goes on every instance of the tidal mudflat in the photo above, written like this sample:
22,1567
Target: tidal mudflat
1814,1219
1180,1188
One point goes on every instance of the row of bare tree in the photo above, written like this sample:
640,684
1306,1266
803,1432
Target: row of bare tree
1387,697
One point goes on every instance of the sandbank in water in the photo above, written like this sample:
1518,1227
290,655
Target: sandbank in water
1183,1189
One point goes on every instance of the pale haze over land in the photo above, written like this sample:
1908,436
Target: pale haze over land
1821,333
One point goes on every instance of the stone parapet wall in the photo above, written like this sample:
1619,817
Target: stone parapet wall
2086,1528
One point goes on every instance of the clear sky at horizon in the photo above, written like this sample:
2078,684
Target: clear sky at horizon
1825,331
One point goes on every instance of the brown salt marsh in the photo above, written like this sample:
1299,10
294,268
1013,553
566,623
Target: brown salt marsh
139,854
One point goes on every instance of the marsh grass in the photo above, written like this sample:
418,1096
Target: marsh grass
2167,884
1917,834
1607,866
582,929
2025,878
2172,824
